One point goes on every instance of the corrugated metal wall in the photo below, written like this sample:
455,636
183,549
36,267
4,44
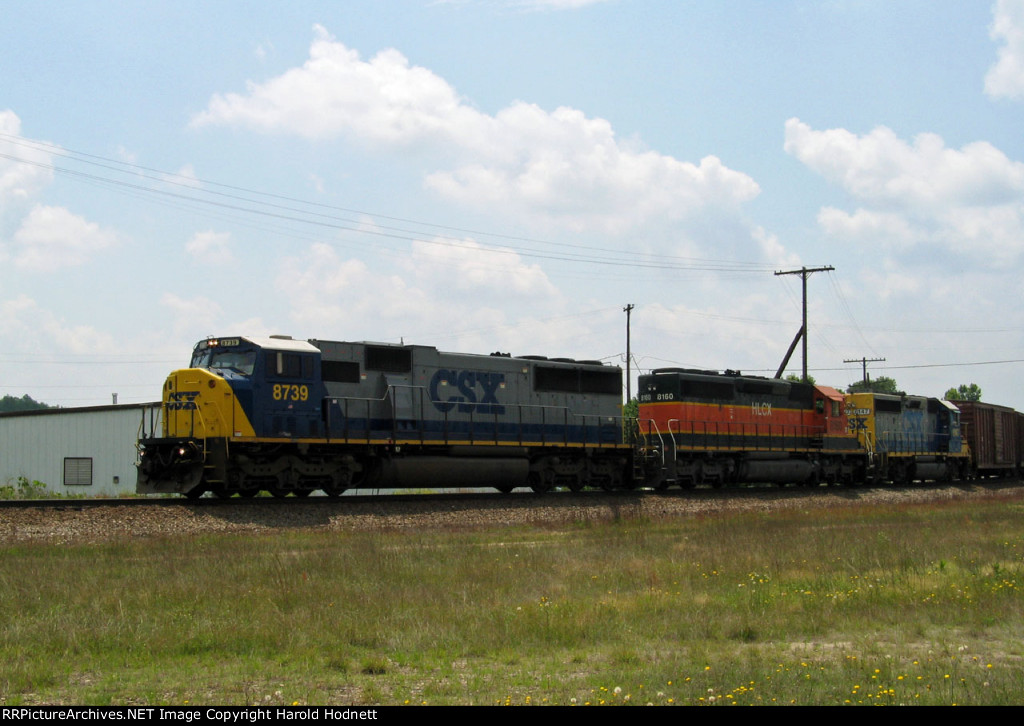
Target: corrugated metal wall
95,444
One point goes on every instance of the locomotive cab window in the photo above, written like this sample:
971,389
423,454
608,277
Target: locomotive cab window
238,361
216,359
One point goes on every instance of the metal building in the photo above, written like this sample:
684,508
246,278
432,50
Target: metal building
75,451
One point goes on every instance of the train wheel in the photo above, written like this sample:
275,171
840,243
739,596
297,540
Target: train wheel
505,489
302,493
248,493
537,482
279,493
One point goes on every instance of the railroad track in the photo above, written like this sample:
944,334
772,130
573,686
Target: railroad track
483,496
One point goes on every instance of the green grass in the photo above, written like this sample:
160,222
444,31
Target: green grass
853,605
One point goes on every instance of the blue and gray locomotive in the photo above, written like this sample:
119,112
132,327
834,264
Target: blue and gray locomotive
291,417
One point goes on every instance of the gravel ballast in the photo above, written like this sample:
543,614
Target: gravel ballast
76,523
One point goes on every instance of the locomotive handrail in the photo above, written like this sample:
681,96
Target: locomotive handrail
150,409
651,423
869,443
675,452
139,436
916,443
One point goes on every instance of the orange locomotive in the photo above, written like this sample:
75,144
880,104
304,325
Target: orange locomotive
705,427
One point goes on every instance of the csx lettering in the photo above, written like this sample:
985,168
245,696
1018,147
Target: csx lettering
761,409
467,399
182,400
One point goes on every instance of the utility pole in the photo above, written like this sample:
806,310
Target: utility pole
804,272
864,364
629,354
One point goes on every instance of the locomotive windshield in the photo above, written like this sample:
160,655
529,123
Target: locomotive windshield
219,359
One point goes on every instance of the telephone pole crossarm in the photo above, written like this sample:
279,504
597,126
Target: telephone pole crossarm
864,364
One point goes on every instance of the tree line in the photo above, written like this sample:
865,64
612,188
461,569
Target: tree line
10,404
884,384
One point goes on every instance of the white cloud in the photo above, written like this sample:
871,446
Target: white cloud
469,267
882,168
572,169
560,165
29,328
36,236
11,313
438,287
25,175
327,292
891,229
184,312
334,93
52,237
210,247
889,283
1005,79
968,200
773,251
708,337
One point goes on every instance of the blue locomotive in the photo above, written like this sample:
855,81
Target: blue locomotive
290,417
908,438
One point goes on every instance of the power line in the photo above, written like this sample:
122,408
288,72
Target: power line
919,365
236,198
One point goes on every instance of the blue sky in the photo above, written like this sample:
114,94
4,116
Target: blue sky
487,175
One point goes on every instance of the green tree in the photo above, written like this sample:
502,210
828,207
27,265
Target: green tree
9,404
882,384
799,379
964,392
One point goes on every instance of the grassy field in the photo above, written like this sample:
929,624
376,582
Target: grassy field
858,605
